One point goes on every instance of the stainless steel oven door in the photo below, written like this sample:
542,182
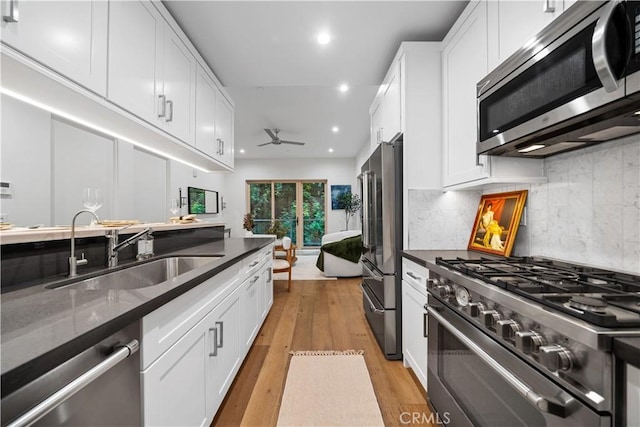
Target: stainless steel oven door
474,381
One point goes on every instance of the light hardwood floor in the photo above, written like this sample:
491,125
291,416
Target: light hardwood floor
316,315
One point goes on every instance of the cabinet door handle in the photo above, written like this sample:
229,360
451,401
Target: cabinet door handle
270,275
424,325
254,263
222,151
162,106
13,12
214,353
221,324
548,7
170,116
413,276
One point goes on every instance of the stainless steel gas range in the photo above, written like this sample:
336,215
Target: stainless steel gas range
528,341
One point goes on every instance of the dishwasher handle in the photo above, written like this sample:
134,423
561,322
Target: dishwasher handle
56,399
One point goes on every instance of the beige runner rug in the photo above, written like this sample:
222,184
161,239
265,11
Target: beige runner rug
329,388
304,269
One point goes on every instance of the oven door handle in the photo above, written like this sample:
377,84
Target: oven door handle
541,402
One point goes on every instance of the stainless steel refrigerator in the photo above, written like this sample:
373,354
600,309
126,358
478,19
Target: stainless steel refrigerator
381,215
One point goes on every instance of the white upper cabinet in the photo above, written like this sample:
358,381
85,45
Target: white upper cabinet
69,37
519,21
391,118
224,130
135,33
375,115
464,63
206,97
214,120
384,114
178,87
471,50
151,71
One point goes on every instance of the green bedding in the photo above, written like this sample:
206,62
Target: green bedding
349,249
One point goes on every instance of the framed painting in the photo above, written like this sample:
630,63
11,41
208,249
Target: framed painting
496,223
336,192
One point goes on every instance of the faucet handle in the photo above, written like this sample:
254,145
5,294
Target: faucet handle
82,260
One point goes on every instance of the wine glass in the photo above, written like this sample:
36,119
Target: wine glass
92,200
174,207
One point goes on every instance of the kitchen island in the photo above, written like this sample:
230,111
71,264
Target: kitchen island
44,327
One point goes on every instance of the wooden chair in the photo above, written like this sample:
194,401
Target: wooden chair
284,265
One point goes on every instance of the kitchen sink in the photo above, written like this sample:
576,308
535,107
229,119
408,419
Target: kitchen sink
140,275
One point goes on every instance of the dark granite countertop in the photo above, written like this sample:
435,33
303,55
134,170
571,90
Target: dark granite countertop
42,328
628,349
427,258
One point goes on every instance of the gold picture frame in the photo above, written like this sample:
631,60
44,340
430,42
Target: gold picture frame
496,225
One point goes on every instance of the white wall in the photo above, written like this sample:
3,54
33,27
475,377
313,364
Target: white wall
587,212
335,171
25,153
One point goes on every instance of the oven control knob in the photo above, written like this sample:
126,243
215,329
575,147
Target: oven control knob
444,291
489,318
475,308
506,329
529,341
557,358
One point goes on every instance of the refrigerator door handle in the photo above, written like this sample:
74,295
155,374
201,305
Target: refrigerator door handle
368,208
364,179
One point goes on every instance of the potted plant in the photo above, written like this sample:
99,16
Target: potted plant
351,204
278,229
248,224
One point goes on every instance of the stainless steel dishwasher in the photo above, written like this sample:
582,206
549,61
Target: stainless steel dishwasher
100,386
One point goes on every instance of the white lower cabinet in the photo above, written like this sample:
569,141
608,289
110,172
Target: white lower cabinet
193,346
251,291
267,290
414,319
223,350
174,387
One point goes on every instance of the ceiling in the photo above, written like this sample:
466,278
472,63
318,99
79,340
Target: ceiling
266,55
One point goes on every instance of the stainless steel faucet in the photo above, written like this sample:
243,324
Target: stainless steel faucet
114,247
73,262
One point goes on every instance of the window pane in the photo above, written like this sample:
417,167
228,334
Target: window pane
285,206
313,204
260,206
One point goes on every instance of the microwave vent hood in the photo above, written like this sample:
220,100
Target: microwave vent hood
576,84
580,132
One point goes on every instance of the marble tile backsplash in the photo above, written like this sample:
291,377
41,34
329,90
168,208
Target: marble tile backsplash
588,211
440,220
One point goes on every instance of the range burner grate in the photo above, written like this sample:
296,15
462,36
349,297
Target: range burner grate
554,283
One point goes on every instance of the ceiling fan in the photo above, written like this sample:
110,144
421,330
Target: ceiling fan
276,140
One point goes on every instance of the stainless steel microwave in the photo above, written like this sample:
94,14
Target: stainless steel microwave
575,84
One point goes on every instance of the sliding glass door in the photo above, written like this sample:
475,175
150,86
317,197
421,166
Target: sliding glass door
313,212
298,206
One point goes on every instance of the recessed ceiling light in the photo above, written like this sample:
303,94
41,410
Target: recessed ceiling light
324,38
242,150
335,129
331,150
343,87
